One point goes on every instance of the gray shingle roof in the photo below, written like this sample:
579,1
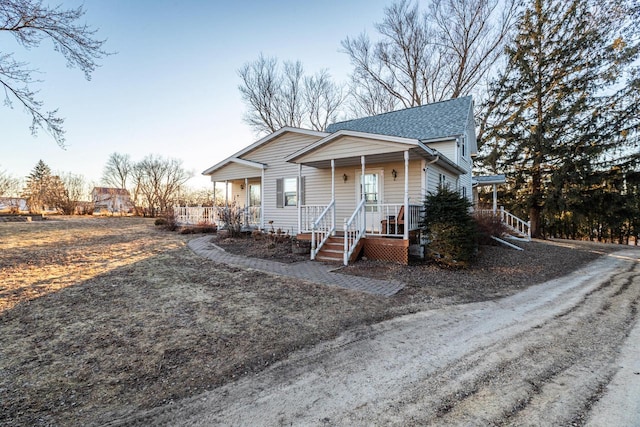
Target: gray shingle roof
437,120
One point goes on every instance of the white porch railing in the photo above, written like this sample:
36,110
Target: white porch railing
391,224
322,228
512,222
309,213
354,230
187,215
209,215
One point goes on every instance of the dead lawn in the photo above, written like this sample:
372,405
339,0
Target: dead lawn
100,317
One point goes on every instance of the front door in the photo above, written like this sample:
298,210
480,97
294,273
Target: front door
373,198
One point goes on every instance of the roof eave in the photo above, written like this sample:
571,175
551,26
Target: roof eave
262,141
228,160
295,156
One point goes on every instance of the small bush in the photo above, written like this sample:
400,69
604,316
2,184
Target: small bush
170,221
489,225
450,229
232,216
160,221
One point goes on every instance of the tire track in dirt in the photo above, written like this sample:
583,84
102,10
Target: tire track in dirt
542,357
549,375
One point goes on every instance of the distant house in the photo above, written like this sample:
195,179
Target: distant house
111,200
13,204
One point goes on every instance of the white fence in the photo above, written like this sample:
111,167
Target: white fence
204,215
210,215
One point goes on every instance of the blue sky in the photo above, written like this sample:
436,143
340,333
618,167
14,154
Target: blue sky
171,88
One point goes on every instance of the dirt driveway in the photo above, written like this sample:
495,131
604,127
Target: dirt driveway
559,353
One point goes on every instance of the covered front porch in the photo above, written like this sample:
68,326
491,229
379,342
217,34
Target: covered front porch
374,199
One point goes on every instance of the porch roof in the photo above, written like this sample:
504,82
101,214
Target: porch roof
346,147
237,157
481,181
229,160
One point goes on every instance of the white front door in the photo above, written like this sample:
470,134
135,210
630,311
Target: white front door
373,199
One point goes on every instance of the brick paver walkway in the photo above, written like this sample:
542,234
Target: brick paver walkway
311,271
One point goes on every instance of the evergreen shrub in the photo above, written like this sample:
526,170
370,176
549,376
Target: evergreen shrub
450,229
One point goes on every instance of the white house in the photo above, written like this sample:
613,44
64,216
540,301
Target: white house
360,184
111,200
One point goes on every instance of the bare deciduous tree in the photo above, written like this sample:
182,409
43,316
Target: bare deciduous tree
322,99
67,191
118,170
159,182
9,185
31,22
439,54
280,95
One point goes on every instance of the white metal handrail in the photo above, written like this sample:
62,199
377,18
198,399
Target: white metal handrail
354,230
322,228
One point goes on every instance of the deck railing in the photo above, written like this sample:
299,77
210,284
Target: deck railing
354,230
309,213
322,228
210,215
198,215
389,224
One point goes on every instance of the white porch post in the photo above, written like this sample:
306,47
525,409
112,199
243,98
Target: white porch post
246,192
495,198
262,200
333,194
407,212
247,214
226,193
214,210
299,198
362,189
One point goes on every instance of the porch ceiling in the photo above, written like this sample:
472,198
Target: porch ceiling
417,153
396,156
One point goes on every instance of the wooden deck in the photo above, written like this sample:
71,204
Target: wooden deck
378,248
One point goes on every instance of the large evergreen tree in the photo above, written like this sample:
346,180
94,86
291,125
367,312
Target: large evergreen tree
41,188
567,103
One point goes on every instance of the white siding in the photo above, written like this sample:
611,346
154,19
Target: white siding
273,154
351,146
234,171
433,179
448,148
467,162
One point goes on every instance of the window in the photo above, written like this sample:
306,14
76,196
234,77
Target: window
287,192
371,188
442,181
463,148
290,191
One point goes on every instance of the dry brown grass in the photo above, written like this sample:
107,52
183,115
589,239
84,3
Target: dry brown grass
100,317
104,316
